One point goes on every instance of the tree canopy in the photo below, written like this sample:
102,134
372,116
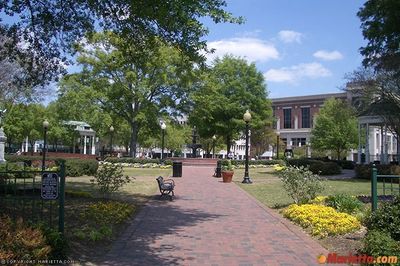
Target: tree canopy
380,22
335,128
41,34
231,87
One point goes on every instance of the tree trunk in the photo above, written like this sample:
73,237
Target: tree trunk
32,147
228,145
134,135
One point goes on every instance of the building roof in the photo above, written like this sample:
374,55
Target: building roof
309,97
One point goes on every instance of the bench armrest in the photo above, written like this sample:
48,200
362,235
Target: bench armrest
169,181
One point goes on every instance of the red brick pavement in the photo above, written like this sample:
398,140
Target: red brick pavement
211,223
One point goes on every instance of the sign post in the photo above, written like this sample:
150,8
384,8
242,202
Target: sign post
49,188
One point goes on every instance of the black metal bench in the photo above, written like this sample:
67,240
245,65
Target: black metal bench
166,186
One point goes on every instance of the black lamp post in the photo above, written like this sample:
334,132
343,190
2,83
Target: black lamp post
214,138
111,139
45,127
163,127
246,179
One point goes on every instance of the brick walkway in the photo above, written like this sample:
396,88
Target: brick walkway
211,223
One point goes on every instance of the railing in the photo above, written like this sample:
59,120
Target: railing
25,194
393,186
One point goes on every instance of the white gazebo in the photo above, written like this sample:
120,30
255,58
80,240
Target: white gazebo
87,136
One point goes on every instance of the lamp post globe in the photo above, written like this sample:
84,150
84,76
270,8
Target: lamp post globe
45,127
247,119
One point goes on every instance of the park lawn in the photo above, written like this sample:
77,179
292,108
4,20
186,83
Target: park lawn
142,185
268,189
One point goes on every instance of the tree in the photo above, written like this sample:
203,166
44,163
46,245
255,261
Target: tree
50,28
380,22
134,90
335,128
230,88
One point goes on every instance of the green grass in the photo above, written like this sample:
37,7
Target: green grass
141,186
268,188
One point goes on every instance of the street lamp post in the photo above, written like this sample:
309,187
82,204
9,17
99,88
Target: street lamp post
111,139
163,127
246,179
214,138
45,127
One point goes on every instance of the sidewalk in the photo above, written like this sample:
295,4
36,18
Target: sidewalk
211,223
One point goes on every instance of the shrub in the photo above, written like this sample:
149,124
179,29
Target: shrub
254,162
110,178
386,218
344,203
21,242
321,220
380,243
79,167
300,183
317,166
365,171
345,164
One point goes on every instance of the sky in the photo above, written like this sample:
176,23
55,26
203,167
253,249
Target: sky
301,47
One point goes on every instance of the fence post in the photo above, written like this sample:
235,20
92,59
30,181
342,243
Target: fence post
61,199
374,192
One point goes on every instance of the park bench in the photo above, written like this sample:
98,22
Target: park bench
166,186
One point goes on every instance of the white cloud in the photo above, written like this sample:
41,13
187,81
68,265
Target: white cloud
289,36
252,49
297,72
327,55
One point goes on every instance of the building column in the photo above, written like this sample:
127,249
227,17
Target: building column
386,146
84,144
367,159
296,122
359,145
26,144
93,145
278,124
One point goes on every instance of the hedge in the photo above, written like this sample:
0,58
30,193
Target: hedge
365,171
317,166
136,160
253,162
73,166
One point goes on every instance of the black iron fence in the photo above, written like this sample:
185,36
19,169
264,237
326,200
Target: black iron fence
390,186
34,195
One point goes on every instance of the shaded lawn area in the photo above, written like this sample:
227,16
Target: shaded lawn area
268,188
141,186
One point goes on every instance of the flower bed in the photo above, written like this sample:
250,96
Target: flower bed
321,220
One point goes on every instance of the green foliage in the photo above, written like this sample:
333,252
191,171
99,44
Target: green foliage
100,219
59,244
131,160
335,128
317,166
386,218
21,242
79,167
300,183
379,21
227,165
110,178
77,194
380,243
254,162
365,171
344,203
178,23
231,87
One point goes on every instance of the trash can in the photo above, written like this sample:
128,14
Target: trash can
176,169
218,169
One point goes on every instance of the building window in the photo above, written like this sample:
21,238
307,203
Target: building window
305,117
287,118
298,142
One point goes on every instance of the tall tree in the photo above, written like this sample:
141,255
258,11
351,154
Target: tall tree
230,88
135,90
380,22
335,128
50,28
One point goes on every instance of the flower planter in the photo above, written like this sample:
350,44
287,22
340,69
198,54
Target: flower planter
227,176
